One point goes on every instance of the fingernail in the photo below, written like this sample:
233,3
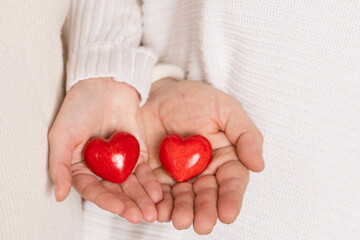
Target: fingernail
117,210
150,217
262,161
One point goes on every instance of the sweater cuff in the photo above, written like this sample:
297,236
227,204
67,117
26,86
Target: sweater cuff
129,65
163,70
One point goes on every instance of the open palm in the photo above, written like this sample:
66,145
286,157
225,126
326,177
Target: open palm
98,108
187,108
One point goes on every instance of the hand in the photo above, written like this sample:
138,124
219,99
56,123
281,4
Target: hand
98,108
187,108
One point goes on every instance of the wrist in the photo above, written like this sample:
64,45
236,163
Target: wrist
164,74
120,90
107,87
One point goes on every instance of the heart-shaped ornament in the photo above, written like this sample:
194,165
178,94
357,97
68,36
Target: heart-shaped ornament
185,158
115,159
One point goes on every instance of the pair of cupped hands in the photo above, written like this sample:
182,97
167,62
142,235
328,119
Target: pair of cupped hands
100,107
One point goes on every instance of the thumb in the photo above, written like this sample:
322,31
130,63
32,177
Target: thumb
134,125
247,138
59,164
154,133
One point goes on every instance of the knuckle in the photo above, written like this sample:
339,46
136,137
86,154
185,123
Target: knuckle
180,188
205,182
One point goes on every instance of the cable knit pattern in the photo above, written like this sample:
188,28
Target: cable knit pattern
104,41
295,67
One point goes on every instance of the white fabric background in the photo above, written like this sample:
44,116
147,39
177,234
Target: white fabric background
31,90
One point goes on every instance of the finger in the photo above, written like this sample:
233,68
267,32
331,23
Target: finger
77,154
163,176
131,211
220,157
132,188
59,165
232,178
247,138
249,150
92,190
154,133
183,213
165,207
149,182
206,191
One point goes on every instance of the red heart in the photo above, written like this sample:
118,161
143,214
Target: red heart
115,159
185,158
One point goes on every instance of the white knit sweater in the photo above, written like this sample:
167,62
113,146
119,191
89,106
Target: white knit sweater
295,67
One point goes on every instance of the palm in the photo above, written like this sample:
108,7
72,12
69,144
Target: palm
95,109
188,108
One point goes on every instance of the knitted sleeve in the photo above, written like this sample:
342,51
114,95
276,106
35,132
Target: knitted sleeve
103,40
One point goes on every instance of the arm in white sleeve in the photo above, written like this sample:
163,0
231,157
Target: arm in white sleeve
103,39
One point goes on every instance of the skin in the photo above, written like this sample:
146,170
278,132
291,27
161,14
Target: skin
98,108
187,108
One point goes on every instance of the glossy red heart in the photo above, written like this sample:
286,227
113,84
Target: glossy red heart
185,158
115,159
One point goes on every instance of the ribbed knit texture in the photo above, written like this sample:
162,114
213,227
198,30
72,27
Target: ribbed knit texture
32,89
104,41
295,67
163,70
